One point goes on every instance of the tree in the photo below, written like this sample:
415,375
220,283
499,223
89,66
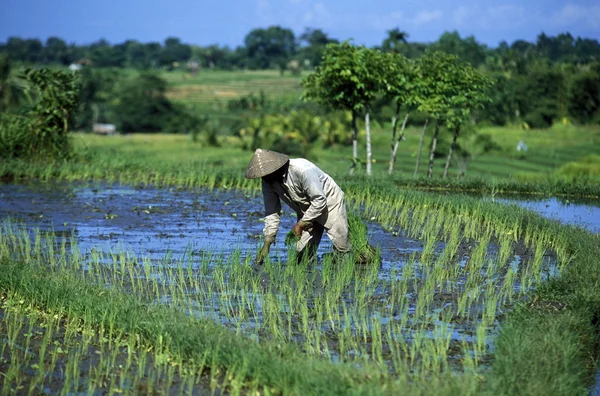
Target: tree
174,51
98,93
271,47
469,93
142,105
312,43
541,96
214,56
375,74
467,49
437,85
57,93
135,55
56,50
584,96
348,78
102,54
395,39
401,80
24,50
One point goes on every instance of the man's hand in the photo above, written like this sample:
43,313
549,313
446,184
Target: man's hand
297,230
301,226
262,253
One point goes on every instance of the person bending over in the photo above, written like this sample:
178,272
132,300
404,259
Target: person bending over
315,197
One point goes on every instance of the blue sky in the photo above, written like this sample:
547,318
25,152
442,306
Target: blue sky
226,22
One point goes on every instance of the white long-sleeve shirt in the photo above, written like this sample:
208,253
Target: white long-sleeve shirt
309,191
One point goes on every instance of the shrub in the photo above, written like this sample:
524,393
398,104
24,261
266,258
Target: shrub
142,104
585,169
42,132
15,135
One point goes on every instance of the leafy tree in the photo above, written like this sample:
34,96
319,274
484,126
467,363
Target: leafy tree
142,105
470,93
375,76
432,88
102,54
152,52
312,45
467,49
502,108
584,96
174,51
56,50
348,78
437,86
293,133
136,55
214,56
24,50
271,47
541,96
98,94
57,93
401,81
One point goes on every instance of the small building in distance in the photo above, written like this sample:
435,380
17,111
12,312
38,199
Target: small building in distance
104,129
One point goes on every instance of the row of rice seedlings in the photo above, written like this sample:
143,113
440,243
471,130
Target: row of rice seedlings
47,352
345,315
269,316
54,352
127,171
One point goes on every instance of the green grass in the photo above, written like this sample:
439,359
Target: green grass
175,160
209,90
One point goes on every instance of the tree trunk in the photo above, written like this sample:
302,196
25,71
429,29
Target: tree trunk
433,144
421,146
354,143
396,144
394,127
452,147
368,131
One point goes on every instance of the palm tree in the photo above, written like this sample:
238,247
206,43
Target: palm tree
394,40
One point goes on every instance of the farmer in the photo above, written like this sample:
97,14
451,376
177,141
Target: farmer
317,200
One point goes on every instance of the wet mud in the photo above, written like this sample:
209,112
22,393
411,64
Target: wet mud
155,222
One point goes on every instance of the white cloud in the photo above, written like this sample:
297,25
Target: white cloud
263,6
489,18
573,14
426,16
296,14
318,15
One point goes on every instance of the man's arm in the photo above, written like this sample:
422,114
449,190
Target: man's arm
272,220
318,201
272,210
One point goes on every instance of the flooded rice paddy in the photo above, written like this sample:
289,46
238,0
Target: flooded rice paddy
430,305
580,213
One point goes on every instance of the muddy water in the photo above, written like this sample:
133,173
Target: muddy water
155,222
158,223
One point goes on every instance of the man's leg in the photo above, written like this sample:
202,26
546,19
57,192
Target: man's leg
309,243
338,232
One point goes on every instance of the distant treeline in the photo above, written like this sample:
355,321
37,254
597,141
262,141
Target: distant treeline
275,47
554,79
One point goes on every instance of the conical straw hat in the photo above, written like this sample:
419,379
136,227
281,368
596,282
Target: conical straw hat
264,162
